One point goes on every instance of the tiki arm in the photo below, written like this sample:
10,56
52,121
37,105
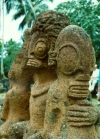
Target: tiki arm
83,114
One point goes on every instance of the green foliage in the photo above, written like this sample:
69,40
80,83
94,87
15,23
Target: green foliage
86,14
29,9
83,13
11,48
0,48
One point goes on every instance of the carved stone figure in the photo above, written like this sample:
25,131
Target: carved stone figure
75,62
16,103
58,75
44,32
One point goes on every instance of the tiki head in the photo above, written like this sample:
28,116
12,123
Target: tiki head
44,32
74,51
75,59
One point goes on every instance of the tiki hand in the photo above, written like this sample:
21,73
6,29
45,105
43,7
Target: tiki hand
36,136
82,114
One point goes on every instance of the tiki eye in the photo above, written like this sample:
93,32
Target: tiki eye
40,49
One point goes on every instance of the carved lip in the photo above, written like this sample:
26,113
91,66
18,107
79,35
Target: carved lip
74,95
83,89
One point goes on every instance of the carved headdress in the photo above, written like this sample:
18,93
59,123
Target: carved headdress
50,23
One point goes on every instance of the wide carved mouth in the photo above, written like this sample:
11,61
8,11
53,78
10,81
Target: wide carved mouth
78,90
32,62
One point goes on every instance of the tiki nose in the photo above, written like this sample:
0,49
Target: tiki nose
31,55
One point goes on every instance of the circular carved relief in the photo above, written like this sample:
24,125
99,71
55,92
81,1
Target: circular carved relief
40,49
68,59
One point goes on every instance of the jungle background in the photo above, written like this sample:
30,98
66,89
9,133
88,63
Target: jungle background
84,13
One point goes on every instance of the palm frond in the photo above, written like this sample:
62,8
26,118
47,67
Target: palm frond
18,14
29,8
8,5
22,24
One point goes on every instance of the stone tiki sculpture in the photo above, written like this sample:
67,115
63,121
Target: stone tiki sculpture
75,62
44,32
16,103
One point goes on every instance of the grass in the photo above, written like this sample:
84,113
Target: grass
94,101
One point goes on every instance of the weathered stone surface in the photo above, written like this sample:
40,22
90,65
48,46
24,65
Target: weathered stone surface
75,62
44,32
16,103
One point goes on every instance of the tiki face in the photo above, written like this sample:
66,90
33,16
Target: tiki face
38,50
75,60
75,53
45,31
